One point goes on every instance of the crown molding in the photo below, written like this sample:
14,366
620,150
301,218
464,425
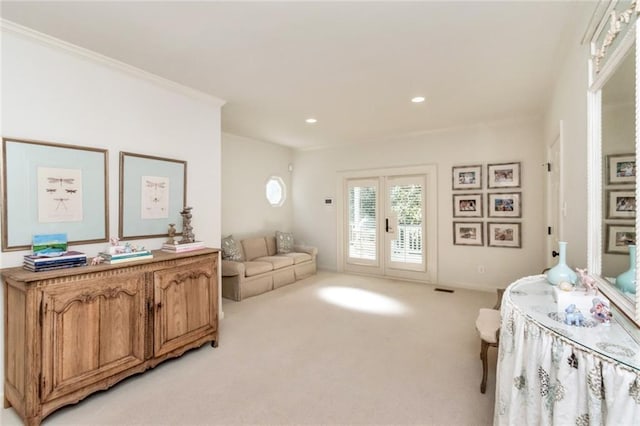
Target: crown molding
602,8
50,41
618,22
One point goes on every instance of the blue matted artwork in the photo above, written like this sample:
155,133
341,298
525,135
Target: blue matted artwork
20,221
134,169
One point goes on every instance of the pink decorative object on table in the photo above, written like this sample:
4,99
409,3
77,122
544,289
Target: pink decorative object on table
96,260
588,282
600,311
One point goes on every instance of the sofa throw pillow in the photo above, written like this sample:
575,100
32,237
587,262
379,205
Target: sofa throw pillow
230,249
284,242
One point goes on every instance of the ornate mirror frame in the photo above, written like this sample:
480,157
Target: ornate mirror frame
613,38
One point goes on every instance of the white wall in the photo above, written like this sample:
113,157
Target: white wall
247,165
315,177
57,94
568,102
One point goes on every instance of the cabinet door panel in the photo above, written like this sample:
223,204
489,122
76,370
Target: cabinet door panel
78,344
185,305
118,318
91,330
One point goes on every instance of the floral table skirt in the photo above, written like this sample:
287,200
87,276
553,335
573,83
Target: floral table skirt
546,377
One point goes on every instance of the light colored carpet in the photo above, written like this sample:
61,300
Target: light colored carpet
331,349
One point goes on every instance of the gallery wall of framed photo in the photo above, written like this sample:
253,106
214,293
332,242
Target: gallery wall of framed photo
619,203
501,219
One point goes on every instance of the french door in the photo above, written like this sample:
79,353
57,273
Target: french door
404,225
386,226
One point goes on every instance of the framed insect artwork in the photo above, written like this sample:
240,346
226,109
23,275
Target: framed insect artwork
153,191
51,188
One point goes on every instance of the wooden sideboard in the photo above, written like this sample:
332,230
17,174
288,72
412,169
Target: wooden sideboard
72,332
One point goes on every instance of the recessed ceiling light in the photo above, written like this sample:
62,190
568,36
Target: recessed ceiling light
417,99
311,120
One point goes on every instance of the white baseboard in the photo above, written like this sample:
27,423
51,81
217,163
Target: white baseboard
462,286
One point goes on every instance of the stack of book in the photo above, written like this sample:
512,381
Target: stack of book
69,259
182,247
113,258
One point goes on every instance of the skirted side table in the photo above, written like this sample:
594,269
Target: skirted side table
551,373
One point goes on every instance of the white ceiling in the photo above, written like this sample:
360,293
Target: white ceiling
352,65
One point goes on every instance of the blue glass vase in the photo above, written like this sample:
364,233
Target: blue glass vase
562,272
626,281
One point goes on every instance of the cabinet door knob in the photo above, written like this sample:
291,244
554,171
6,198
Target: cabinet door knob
555,254
159,305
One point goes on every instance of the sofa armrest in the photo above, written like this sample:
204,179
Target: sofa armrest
313,251
231,268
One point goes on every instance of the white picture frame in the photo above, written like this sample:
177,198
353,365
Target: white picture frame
503,175
466,177
504,204
467,205
621,204
504,234
621,169
468,234
619,237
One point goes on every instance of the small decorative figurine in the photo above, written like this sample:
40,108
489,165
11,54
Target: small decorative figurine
172,234
600,311
97,260
573,315
187,229
565,286
588,282
115,247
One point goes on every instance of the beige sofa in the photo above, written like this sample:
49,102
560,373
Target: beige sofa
262,269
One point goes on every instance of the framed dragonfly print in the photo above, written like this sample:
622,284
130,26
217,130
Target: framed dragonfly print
153,191
53,188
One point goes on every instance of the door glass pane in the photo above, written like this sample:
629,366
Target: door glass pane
406,204
362,221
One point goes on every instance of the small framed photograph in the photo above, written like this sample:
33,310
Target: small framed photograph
621,204
466,177
467,205
619,238
504,204
504,234
504,175
621,169
468,234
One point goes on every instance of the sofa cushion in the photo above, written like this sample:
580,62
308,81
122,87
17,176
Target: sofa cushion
256,268
231,249
284,242
298,257
232,268
254,248
277,261
271,245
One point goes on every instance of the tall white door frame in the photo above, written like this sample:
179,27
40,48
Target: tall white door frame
556,204
430,274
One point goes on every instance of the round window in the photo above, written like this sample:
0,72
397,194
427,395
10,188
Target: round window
276,191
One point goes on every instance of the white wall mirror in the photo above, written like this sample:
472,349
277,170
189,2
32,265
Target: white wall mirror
613,117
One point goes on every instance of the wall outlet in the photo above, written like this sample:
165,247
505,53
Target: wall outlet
481,269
